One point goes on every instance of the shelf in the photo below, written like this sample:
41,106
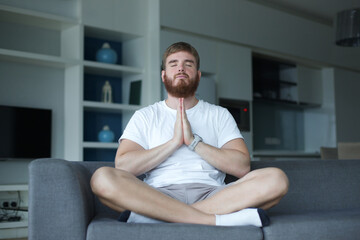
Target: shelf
15,187
274,101
282,154
109,107
108,34
287,83
111,70
36,59
285,102
19,224
34,18
101,145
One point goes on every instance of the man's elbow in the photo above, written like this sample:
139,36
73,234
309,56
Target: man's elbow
120,165
242,171
128,168
243,167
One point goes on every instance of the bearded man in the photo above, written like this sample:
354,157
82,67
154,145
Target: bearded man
185,147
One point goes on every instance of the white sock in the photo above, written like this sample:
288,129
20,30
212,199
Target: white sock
248,216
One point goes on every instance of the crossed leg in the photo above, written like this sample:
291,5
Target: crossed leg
262,188
121,190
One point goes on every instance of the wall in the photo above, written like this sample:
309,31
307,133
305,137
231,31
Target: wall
273,32
347,98
320,123
259,27
39,87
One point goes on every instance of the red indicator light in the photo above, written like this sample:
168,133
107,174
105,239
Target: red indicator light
245,109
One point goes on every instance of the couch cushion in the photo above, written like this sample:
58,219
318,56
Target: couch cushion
318,185
317,225
109,228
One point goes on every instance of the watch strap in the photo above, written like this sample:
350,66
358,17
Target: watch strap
195,142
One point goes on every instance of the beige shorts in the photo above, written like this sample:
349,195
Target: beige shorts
188,193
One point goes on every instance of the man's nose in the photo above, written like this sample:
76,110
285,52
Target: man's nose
181,68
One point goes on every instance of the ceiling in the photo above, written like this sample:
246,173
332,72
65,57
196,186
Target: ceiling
323,11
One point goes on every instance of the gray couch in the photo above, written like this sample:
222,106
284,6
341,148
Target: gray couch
323,202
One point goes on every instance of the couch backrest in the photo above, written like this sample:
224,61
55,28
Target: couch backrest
99,207
318,184
314,185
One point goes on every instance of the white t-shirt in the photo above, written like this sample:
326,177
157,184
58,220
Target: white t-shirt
154,125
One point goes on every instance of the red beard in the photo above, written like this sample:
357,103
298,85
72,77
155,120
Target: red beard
182,89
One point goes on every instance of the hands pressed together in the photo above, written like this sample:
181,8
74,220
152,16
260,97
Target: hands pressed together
182,130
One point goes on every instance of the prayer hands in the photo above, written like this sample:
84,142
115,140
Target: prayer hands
182,130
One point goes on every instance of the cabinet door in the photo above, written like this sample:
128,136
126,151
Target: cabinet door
309,85
234,72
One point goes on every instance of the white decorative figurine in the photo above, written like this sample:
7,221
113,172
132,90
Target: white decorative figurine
107,93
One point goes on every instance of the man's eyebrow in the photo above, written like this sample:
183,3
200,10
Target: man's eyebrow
189,60
186,60
172,61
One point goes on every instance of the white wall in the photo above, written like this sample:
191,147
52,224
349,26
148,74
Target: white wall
280,34
39,87
259,27
347,99
320,123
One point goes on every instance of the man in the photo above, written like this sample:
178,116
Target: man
185,147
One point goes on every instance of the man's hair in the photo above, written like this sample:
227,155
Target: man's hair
179,47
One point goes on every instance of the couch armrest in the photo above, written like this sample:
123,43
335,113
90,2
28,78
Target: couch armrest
61,203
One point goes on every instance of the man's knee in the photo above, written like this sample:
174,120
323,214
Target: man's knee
104,180
280,181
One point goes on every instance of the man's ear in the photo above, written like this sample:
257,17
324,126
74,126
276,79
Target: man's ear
199,73
163,75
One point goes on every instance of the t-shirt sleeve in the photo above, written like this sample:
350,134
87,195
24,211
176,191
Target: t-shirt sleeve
136,130
228,129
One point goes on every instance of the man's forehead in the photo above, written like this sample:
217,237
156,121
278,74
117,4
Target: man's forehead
180,55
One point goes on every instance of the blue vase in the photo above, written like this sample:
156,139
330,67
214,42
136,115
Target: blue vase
106,54
106,135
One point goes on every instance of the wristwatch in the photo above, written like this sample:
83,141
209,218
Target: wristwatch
195,142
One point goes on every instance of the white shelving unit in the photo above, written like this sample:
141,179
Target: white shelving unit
110,69
15,187
100,145
43,64
51,37
35,18
127,69
36,59
16,228
110,107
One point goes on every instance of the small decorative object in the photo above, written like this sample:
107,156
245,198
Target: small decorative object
106,135
106,54
135,92
348,28
107,93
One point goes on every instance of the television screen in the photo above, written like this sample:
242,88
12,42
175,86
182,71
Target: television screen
25,133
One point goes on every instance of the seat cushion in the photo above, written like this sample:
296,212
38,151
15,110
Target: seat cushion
330,225
108,228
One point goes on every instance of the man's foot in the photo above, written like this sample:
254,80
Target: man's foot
124,216
131,217
249,216
265,220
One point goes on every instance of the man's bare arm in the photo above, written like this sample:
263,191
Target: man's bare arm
133,158
233,158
